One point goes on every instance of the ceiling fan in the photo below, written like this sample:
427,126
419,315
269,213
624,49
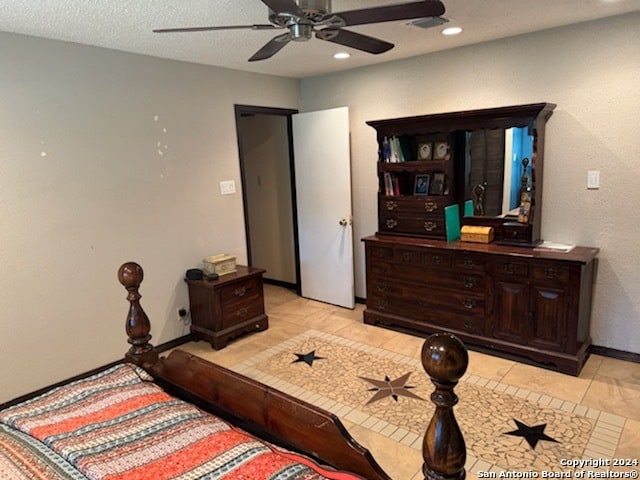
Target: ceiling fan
304,17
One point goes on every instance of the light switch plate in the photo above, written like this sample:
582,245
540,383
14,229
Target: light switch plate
593,179
227,187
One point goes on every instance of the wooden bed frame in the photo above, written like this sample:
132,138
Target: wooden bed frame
292,423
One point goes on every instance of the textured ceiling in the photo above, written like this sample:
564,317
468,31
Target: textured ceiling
127,25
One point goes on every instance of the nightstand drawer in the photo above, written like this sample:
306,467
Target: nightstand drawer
241,291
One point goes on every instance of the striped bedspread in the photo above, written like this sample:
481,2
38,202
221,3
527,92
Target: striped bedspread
119,425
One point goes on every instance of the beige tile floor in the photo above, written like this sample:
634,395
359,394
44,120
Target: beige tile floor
605,384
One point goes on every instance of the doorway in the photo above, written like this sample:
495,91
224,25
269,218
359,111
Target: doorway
268,187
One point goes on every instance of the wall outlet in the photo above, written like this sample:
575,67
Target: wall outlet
227,187
182,313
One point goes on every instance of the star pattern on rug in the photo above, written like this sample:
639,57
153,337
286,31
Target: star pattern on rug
390,388
307,358
531,434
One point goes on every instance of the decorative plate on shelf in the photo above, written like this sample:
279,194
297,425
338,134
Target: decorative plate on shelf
425,151
441,151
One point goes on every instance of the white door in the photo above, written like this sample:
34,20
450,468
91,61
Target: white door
323,192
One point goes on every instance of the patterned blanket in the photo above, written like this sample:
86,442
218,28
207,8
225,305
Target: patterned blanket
24,458
119,425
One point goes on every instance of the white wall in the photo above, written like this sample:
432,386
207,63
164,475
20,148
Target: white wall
591,71
265,151
107,157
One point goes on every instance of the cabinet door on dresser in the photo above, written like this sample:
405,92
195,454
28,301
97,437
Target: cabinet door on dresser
550,304
511,313
530,303
549,311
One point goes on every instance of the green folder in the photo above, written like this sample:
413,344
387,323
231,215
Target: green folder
452,222
468,208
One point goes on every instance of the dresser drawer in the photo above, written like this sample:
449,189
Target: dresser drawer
421,277
376,252
436,259
427,225
509,267
469,304
469,263
423,312
457,321
551,271
412,205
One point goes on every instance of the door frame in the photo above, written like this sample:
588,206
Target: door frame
241,110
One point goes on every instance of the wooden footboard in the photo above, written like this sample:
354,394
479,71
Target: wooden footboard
280,418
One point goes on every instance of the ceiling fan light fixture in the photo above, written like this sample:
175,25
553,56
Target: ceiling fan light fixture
341,55
451,31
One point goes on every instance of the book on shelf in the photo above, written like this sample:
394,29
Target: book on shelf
395,150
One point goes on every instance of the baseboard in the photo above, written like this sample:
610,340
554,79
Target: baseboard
613,353
280,283
174,343
361,300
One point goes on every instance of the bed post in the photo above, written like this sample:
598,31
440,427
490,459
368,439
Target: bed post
445,359
138,327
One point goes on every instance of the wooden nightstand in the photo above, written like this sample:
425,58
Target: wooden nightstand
230,306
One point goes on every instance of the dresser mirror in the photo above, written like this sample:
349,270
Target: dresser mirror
497,167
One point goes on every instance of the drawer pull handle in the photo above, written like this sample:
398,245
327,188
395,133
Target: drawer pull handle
430,206
469,282
468,324
383,304
239,292
391,223
436,260
468,263
508,268
242,312
406,256
379,252
430,226
382,288
468,303
391,205
551,272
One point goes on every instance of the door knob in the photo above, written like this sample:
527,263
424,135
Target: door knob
343,222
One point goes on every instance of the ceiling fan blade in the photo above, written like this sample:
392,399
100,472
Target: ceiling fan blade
272,47
206,29
403,11
354,40
284,6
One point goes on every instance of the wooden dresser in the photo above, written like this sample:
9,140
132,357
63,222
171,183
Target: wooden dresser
230,306
510,299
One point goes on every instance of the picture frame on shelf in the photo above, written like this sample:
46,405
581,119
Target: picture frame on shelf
425,151
437,184
441,151
421,184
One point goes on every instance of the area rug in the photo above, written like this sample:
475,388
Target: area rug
505,427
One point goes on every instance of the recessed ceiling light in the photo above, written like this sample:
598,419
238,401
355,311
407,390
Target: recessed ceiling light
451,31
341,55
